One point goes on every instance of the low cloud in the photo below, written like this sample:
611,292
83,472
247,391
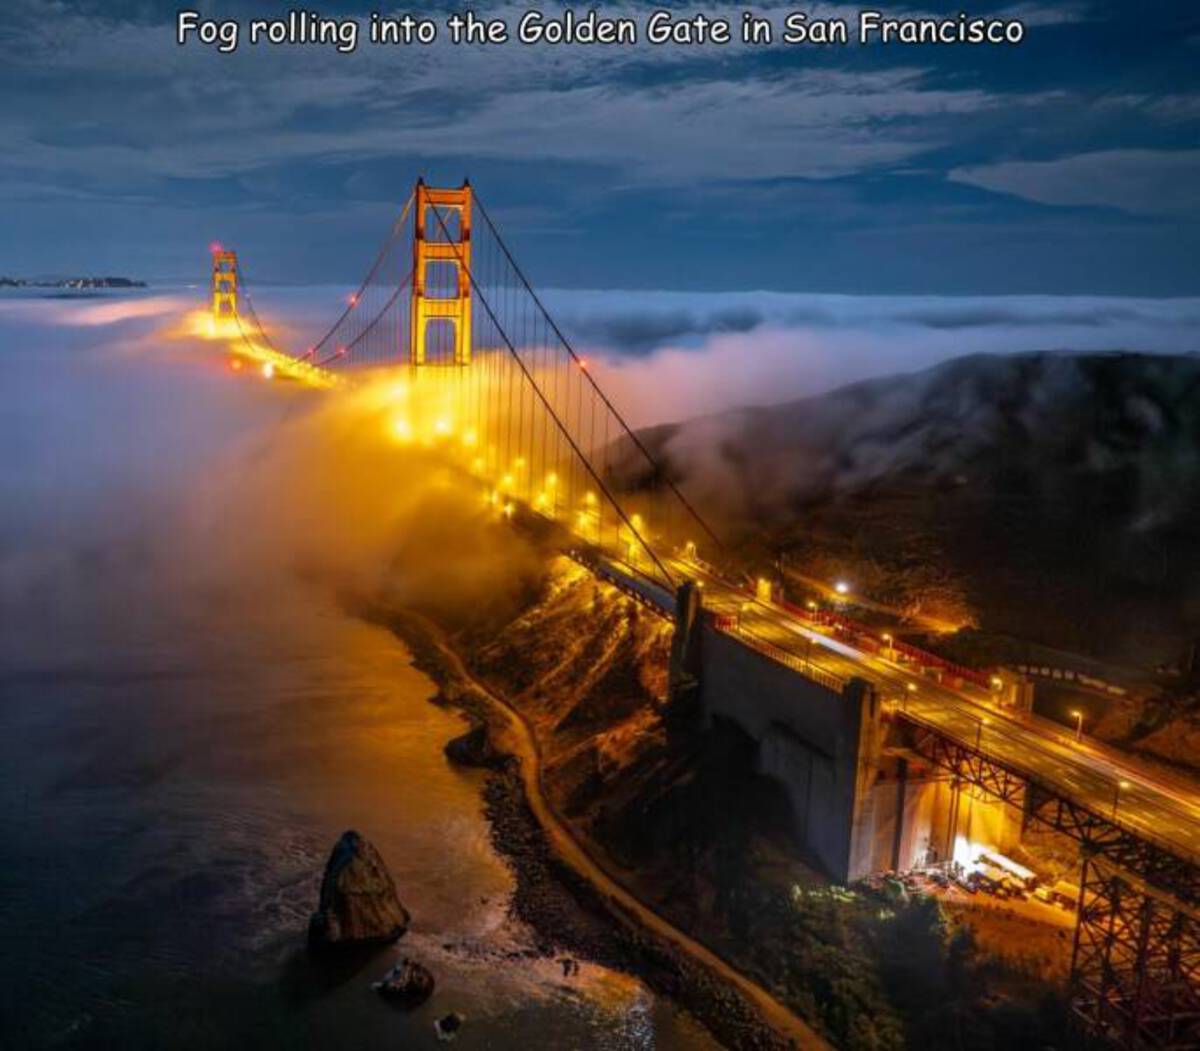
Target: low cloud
668,355
1144,182
147,491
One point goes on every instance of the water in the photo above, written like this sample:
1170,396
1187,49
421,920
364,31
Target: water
181,744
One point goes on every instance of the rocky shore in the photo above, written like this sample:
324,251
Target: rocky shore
569,913
647,842
565,911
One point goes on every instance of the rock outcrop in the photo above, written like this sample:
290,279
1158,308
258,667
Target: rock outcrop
447,1026
358,903
474,748
407,984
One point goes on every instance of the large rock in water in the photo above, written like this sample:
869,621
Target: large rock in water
358,903
407,984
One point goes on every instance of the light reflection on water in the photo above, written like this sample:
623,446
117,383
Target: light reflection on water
176,763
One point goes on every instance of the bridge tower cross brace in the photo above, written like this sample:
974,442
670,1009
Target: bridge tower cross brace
224,284
436,242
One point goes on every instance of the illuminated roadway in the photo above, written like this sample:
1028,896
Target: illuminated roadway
1162,810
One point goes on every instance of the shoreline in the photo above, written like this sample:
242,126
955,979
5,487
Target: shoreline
568,897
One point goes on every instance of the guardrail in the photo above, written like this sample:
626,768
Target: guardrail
864,636
863,633
729,624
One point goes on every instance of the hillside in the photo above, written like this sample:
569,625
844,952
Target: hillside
1054,498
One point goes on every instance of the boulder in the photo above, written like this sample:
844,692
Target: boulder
474,748
447,1026
407,984
358,904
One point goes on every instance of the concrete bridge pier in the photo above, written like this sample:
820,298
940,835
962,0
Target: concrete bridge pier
862,801
819,744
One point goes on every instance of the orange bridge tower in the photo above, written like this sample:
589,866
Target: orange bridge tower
224,284
441,281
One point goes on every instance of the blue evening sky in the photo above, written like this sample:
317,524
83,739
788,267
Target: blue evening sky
1068,164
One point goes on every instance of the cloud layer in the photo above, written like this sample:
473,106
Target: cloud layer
854,169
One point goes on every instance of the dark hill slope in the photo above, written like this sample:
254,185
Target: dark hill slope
1057,495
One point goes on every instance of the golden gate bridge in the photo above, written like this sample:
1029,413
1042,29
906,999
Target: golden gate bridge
479,371
485,374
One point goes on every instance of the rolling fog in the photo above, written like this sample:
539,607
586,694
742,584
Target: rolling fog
190,712
138,468
145,481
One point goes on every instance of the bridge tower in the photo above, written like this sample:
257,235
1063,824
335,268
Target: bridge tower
224,284
441,243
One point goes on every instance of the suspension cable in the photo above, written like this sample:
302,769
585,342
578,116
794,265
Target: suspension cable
343,351
515,355
595,386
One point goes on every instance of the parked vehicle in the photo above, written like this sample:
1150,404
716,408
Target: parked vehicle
1016,873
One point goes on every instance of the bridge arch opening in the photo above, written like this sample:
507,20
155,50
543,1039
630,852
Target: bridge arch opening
443,279
441,341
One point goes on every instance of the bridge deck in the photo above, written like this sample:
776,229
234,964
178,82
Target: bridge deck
1162,811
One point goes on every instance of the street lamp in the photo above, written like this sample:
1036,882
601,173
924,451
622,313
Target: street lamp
842,588
1120,786
1077,715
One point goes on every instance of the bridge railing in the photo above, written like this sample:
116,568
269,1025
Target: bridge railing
864,633
731,624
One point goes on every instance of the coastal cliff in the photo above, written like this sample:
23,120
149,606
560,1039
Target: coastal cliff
680,814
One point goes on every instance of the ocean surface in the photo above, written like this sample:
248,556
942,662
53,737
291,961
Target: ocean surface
187,725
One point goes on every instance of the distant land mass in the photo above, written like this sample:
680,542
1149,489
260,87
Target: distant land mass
71,282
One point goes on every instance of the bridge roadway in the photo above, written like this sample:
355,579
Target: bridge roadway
1157,807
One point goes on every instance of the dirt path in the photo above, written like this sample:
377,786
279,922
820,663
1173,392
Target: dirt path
519,740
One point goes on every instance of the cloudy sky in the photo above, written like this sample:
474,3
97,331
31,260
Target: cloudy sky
1069,164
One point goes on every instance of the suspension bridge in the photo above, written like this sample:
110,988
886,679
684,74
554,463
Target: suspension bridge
484,374
880,748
